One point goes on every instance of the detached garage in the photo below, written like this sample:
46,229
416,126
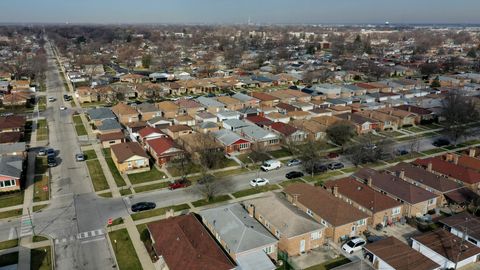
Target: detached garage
446,249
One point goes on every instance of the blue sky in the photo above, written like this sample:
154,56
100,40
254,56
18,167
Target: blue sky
238,11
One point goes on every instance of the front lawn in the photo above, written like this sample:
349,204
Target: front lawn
124,250
11,199
216,199
159,211
41,165
96,174
281,153
41,182
90,154
79,127
255,190
42,130
291,182
152,175
175,169
230,172
11,213
8,244
151,187
433,151
115,173
322,176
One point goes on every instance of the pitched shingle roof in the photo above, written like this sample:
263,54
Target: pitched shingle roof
450,169
124,151
11,166
100,114
325,205
184,243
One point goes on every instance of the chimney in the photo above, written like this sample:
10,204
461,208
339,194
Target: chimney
471,152
402,174
369,181
455,159
429,167
335,191
349,117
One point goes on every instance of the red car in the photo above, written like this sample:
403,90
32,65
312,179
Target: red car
332,155
179,184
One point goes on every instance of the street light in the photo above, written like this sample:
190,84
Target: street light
115,242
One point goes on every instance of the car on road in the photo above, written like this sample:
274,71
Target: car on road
42,152
142,206
335,166
294,174
354,245
316,168
51,99
402,152
51,161
50,152
80,157
63,108
271,164
67,97
441,142
257,182
294,162
181,183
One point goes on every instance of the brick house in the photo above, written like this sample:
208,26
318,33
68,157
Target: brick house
163,150
129,157
12,123
381,208
109,139
341,219
297,232
125,113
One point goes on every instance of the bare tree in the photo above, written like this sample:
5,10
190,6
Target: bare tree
207,185
458,110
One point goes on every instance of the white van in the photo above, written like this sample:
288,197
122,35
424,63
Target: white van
271,165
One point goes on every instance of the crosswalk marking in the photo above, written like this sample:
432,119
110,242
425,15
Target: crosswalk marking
26,228
83,236
11,234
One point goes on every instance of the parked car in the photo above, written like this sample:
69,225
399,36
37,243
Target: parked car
142,206
316,168
374,238
51,161
181,183
63,108
80,157
294,162
335,166
42,152
402,152
51,99
294,174
441,142
271,165
354,245
50,152
259,182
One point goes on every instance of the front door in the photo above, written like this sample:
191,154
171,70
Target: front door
302,246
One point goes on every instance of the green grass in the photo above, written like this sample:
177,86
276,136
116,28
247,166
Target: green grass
323,176
174,169
90,154
414,129
42,130
216,199
349,170
41,166
80,129
152,175
473,142
245,160
8,259
411,155
11,199
124,250
39,238
290,182
11,213
392,133
77,120
255,190
116,221
37,208
125,191
151,187
341,260
230,172
106,152
433,151
159,211
92,104
115,173
281,153
106,195
39,194
8,244
41,258
228,163
96,174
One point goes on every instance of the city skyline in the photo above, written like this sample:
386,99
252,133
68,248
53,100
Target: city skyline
233,12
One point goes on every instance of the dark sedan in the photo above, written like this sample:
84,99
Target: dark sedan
142,206
294,174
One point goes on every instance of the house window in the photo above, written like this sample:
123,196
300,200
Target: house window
431,201
309,212
243,146
111,142
471,240
7,183
353,228
2,184
361,222
269,249
129,164
396,211
315,235
140,162
277,233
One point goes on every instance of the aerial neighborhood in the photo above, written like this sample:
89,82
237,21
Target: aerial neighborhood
241,147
